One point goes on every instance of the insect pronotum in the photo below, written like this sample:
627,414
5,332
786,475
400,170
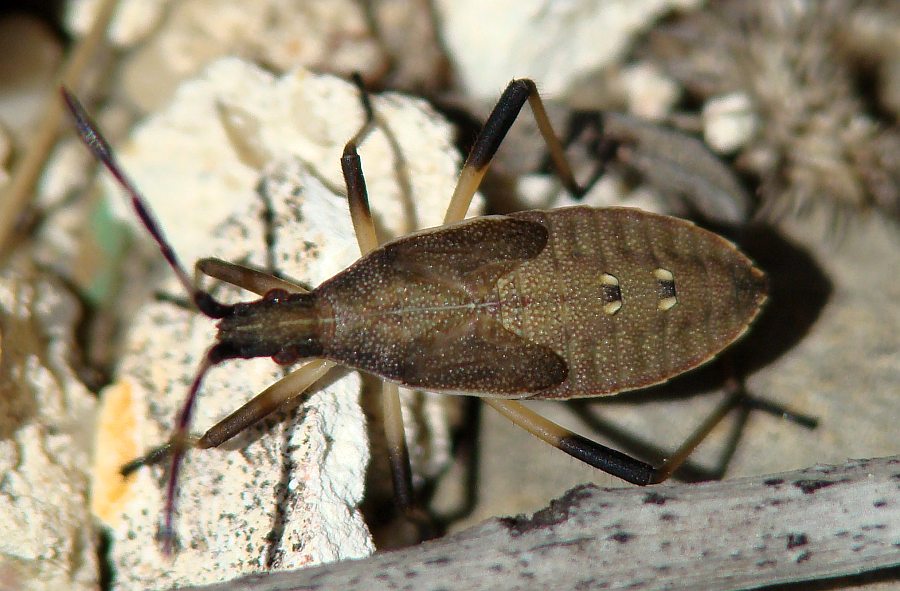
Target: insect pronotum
557,304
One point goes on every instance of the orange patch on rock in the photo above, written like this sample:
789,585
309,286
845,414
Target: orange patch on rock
114,445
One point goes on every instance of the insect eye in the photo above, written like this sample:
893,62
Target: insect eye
276,295
611,294
666,289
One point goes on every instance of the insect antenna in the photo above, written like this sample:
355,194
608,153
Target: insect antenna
92,137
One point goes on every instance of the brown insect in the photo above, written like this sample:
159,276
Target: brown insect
557,304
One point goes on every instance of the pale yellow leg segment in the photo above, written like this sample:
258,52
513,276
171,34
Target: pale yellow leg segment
609,460
253,280
260,406
489,139
542,428
288,388
468,183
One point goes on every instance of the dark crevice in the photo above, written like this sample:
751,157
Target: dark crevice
275,538
107,571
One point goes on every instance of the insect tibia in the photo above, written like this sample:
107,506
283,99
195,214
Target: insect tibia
284,326
154,456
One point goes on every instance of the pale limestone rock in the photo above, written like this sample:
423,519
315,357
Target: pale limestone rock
553,42
285,494
47,541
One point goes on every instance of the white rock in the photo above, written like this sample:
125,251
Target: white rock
131,23
326,35
554,42
650,93
202,165
729,122
47,541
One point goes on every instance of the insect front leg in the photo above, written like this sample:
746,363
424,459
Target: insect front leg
253,280
288,389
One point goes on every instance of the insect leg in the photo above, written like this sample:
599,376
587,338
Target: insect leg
260,406
491,136
361,214
398,453
609,460
286,389
253,280
599,456
257,408
358,198
390,396
351,166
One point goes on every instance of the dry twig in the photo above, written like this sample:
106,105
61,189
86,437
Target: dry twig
820,522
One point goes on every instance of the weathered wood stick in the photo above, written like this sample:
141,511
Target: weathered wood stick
820,522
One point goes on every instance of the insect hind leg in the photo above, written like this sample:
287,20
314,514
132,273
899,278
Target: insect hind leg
624,466
611,461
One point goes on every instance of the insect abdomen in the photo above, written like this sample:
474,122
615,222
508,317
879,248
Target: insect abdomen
628,298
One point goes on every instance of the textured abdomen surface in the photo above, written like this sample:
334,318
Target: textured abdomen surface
628,298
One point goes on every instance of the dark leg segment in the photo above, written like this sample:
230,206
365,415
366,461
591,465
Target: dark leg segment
357,195
177,446
491,136
607,459
358,198
351,166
